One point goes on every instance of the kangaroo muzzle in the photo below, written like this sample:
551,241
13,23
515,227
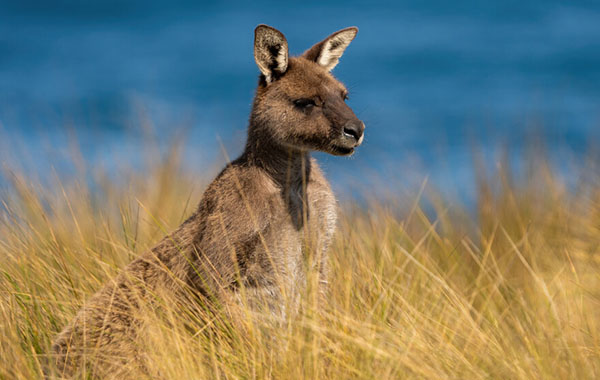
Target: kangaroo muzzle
353,132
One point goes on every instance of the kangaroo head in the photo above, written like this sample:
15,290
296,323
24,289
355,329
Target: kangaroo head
298,103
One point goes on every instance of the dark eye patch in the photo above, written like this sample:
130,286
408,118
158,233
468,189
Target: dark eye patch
304,103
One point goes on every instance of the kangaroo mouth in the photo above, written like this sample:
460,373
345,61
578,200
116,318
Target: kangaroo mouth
342,150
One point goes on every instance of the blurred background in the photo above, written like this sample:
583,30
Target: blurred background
437,83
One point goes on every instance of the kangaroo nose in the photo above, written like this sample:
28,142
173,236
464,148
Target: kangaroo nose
354,130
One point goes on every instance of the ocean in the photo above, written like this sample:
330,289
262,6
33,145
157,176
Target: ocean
437,83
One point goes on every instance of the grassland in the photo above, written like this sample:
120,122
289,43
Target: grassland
510,290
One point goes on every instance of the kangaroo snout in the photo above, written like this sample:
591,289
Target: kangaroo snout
353,132
351,136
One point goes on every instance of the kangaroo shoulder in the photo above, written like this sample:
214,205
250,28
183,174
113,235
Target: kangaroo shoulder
240,194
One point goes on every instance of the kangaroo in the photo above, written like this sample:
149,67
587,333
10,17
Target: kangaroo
257,221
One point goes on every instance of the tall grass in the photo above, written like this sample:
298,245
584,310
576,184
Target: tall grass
510,291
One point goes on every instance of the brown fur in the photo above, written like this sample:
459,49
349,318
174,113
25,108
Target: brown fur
257,220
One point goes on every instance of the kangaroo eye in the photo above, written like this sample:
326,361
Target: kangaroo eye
304,103
345,95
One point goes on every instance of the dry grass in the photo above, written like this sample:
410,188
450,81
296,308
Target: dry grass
512,292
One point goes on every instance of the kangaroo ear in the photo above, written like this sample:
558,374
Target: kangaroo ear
270,51
327,53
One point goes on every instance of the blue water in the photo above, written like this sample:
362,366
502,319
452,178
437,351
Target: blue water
431,79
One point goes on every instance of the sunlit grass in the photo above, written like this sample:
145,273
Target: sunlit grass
510,291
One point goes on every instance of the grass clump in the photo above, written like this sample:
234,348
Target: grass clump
509,291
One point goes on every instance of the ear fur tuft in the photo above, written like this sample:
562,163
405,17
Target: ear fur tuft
270,52
327,53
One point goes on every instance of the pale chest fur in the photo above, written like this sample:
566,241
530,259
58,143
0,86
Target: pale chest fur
302,224
311,223
322,215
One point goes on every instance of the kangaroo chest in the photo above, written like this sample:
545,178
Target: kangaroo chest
302,221
312,216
